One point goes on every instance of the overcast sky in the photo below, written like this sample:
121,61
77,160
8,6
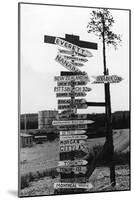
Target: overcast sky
38,65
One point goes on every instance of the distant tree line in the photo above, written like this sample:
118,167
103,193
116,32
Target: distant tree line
120,120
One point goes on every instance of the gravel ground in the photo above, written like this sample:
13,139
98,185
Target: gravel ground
99,179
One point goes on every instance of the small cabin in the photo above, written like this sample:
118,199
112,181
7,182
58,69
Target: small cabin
26,140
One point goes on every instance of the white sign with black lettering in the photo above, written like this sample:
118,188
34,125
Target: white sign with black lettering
72,47
73,185
75,132
71,162
69,89
71,122
107,79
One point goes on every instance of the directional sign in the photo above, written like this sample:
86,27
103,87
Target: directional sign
68,101
75,169
75,132
72,127
66,51
76,94
72,47
71,142
71,122
76,58
75,137
72,162
69,78
66,106
68,65
78,64
63,83
69,89
107,79
70,53
65,115
73,185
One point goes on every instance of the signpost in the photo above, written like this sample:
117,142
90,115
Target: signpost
72,139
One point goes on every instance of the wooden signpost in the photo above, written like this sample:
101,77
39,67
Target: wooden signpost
72,126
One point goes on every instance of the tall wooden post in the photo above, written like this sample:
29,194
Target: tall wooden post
109,136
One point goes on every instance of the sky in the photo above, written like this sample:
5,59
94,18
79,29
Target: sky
38,66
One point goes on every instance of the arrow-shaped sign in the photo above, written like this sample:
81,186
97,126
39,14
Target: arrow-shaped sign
68,65
75,169
107,79
75,137
69,89
76,58
72,47
68,101
71,122
72,127
73,185
83,77
75,132
72,163
66,106
63,83
78,64
71,142
76,94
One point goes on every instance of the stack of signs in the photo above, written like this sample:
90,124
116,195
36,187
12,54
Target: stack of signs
71,126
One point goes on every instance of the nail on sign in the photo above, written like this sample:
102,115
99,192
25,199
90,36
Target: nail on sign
73,185
72,47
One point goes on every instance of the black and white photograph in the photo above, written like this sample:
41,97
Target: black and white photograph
74,99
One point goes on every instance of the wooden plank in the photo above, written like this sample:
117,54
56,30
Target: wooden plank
73,39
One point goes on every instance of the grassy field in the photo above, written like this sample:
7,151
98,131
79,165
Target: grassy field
45,156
